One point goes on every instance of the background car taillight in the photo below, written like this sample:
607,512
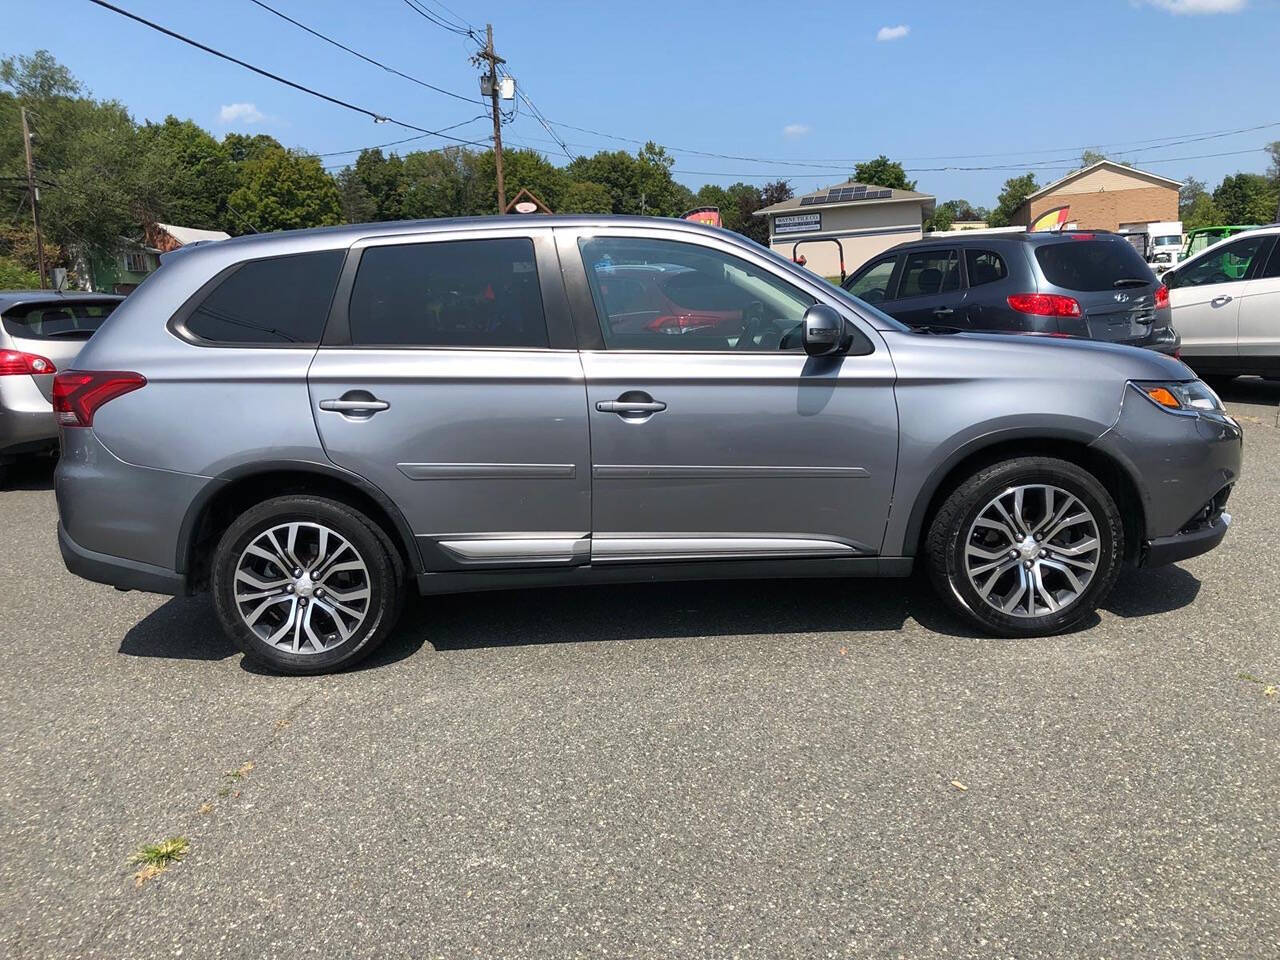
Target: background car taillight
1162,296
681,323
1045,304
14,362
77,394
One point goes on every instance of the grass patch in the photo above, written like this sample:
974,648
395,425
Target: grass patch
155,858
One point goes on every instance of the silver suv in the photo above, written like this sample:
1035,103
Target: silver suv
308,423
41,331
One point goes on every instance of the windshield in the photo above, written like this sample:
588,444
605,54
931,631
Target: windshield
1168,241
1091,265
58,320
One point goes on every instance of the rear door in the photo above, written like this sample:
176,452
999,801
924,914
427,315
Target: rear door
988,282
1112,283
1205,296
56,330
1260,312
449,377
929,291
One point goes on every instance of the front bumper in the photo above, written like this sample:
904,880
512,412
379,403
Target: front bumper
119,572
1163,551
1182,466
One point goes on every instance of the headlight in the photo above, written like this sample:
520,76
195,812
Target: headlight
1190,397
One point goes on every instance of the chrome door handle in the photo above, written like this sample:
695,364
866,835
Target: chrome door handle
354,406
943,312
1220,301
630,406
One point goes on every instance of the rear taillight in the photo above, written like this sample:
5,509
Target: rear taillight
77,394
1045,304
16,362
1162,296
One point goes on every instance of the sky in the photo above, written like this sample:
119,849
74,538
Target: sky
735,89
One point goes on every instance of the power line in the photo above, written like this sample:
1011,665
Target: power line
426,14
377,117
396,143
364,57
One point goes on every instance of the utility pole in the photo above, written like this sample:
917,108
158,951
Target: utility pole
34,193
493,60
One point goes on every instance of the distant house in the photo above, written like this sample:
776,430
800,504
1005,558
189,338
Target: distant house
132,261
1105,196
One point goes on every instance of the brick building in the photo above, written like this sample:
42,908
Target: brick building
1106,196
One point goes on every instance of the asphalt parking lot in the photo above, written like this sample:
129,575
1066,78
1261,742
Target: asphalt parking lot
697,770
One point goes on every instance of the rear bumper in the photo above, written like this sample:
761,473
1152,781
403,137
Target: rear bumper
117,571
1165,550
26,431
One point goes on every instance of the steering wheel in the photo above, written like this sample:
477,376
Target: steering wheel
752,325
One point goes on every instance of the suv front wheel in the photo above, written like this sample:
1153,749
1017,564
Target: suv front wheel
305,585
1026,547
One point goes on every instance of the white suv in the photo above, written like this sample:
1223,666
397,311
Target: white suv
1226,305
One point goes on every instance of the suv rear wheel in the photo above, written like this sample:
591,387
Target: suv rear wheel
305,585
1026,547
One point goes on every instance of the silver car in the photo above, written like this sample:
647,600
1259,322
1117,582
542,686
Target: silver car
41,331
308,424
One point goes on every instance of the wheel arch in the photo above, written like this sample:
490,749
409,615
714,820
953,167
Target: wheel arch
1067,445
229,494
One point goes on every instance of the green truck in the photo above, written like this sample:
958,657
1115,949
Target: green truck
1203,237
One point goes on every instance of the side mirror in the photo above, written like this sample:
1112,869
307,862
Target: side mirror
823,331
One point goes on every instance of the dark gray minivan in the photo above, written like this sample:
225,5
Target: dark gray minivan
1073,283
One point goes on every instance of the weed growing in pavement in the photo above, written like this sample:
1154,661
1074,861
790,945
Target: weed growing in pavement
155,858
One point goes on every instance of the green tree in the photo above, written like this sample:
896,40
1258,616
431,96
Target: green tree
283,190
383,180
241,147
584,196
446,183
1015,192
14,276
1247,198
883,172
941,219
357,204
186,174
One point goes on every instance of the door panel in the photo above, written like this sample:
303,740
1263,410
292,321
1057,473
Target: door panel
1207,318
444,378
779,453
929,291
473,445
1260,317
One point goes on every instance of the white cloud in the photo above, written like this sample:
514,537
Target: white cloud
892,33
1181,7
240,113
796,129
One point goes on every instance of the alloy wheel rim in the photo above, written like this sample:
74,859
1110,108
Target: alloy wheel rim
302,587
1032,551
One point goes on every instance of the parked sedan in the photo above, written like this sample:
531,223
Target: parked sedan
1077,284
41,331
1226,303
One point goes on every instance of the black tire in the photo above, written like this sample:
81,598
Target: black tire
949,532
382,569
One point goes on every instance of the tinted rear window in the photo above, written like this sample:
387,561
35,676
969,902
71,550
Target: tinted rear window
68,320
282,300
1090,265
453,293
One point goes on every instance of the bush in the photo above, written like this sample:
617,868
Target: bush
14,276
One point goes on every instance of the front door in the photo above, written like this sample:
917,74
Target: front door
450,379
721,439
1205,295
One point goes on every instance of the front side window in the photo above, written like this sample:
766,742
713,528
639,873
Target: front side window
872,284
929,272
668,295
279,301
1225,264
451,293
985,266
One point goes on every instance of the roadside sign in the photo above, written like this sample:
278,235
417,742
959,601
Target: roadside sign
797,223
